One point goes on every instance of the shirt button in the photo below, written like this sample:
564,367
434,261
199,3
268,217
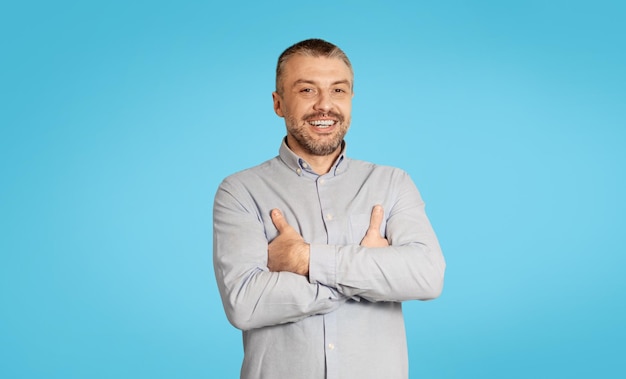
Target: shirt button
329,216
331,346
304,165
322,181
299,171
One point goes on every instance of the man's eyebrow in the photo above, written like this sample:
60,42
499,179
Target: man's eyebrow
303,81
344,81
306,81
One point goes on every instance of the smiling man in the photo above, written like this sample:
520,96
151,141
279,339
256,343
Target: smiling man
314,252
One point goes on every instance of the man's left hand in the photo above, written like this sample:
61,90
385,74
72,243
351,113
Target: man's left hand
372,236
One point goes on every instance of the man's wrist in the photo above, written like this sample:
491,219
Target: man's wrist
304,255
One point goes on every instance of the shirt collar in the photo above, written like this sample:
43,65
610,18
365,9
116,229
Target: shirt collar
300,166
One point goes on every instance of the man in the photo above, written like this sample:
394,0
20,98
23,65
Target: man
313,251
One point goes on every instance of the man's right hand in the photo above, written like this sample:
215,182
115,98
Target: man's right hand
372,236
288,251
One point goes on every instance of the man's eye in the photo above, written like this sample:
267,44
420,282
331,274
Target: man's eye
340,91
306,90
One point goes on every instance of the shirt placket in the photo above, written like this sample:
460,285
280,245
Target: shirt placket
331,344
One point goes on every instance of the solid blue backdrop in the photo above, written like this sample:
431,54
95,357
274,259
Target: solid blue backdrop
120,119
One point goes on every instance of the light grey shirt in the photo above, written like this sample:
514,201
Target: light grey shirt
345,320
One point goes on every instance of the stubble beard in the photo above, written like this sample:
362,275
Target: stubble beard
320,147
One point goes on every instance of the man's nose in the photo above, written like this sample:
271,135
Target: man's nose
324,102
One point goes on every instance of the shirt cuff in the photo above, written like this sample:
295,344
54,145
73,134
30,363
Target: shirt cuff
323,265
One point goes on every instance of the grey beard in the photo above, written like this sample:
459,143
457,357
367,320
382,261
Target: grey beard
315,148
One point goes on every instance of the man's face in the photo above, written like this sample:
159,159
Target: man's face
315,102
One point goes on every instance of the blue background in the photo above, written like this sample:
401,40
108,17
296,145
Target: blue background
119,120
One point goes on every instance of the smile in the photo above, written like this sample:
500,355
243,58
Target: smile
322,124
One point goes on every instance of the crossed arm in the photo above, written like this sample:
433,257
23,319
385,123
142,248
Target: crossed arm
287,279
289,252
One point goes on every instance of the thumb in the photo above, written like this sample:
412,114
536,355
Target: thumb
278,219
376,219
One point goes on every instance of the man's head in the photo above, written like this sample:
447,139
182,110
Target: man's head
314,82
310,48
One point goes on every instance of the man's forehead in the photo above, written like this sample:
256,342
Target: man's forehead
299,67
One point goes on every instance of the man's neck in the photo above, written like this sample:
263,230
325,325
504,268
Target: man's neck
320,164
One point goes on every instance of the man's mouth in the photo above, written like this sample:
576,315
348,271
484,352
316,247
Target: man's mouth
322,124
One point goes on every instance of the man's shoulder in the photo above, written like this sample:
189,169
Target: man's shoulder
361,165
253,173
379,174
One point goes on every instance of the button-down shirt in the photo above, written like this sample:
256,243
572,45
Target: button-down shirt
345,319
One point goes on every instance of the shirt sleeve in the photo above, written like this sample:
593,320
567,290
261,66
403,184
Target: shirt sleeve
411,268
253,296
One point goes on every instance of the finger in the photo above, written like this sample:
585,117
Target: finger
279,220
376,219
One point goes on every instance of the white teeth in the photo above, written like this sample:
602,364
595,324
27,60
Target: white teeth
322,123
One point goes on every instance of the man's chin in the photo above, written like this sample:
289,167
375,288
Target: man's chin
323,151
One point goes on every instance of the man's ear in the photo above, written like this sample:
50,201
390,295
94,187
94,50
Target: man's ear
277,104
